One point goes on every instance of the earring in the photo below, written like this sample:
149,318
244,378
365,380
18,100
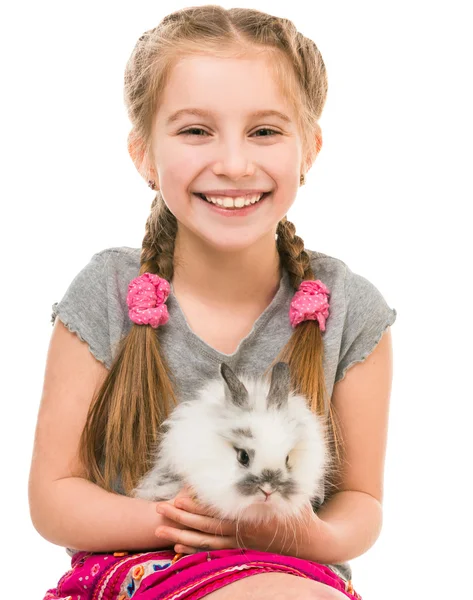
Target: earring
302,180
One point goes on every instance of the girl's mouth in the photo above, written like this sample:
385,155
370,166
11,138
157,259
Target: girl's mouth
218,204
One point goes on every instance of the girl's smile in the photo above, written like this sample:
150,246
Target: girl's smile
234,207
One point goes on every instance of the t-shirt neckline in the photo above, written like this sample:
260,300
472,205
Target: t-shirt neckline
180,321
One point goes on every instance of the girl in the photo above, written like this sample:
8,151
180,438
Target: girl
225,107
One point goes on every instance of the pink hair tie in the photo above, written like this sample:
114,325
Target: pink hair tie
146,297
310,302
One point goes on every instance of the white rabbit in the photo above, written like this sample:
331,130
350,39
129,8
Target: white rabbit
250,450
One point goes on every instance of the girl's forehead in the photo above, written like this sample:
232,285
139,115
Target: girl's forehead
205,70
244,85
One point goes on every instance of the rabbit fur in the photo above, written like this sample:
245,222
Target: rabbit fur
250,450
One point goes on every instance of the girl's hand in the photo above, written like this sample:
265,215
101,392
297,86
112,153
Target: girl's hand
195,529
189,520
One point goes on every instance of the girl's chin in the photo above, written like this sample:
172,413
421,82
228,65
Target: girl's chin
231,240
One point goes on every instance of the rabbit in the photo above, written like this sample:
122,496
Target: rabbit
250,450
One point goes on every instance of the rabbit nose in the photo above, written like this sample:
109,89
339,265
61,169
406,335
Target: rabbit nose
266,493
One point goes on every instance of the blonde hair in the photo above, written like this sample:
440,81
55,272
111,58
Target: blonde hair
138,393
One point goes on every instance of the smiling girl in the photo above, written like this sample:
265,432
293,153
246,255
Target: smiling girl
225,108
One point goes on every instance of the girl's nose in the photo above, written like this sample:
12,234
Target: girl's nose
233,161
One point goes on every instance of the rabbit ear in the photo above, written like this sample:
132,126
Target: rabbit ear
280,385
235,392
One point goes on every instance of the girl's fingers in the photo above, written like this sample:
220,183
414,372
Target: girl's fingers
185,549
194,507
191,505
195,539
196,521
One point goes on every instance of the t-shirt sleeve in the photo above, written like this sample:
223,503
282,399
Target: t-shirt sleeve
88,305
367,317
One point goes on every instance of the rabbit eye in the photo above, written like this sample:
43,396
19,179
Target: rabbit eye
243,457
287,460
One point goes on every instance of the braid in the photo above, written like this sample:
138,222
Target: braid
139,394
293,255
304,351
157,253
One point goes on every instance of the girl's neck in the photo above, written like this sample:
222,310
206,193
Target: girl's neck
246,276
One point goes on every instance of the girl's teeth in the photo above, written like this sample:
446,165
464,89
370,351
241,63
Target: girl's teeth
238,202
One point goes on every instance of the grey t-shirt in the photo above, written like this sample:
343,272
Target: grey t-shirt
94,307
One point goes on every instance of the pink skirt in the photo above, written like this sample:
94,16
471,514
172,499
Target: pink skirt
165,575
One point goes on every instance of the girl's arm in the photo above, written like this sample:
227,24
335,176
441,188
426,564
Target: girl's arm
65,508
75,513
350,524
353,516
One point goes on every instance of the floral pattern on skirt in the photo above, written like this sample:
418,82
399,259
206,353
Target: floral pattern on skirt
165,575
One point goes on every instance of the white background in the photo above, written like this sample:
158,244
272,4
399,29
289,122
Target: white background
389,195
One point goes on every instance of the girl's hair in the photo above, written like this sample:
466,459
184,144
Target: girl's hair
138,393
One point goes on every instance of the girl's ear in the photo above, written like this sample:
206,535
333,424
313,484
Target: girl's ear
140,158
312,155
319,139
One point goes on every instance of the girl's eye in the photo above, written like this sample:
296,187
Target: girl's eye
188,131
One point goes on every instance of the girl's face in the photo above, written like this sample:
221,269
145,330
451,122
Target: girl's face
226,147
